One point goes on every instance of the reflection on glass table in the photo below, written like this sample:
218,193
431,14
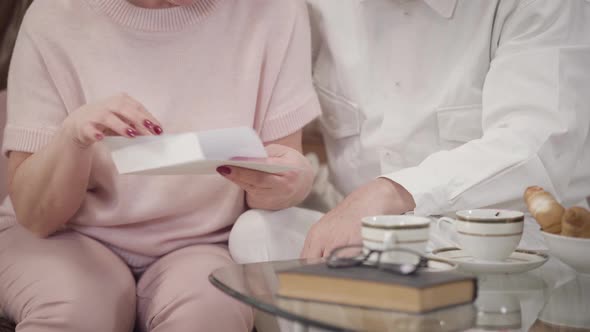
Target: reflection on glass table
568,307
505,302
551,298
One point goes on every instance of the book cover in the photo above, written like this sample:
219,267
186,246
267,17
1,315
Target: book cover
374,288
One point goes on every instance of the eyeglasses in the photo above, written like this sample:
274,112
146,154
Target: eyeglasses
395,260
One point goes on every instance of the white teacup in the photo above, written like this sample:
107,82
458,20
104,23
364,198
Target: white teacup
401,231
487,234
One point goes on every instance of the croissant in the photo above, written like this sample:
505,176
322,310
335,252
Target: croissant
545,209
576,222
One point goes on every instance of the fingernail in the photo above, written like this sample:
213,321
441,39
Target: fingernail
158,130
223,170
131,132
99,137
148,124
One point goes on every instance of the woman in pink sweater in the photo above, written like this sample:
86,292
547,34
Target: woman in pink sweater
84,249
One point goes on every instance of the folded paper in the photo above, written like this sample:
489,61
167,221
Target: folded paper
190,153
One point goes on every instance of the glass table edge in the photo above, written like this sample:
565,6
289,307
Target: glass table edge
272,310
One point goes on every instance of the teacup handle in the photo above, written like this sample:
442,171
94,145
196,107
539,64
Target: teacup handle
390,240
445,234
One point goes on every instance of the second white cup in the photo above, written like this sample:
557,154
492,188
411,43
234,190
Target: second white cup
487,234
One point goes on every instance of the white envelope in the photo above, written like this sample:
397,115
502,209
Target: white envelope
190,153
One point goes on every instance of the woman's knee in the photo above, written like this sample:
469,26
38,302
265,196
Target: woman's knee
206,309
66,283
231,315
82,305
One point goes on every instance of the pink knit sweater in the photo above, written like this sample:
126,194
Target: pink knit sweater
216,64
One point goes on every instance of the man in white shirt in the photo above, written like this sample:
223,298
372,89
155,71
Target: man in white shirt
433,106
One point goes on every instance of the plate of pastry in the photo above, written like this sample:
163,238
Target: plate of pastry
566,230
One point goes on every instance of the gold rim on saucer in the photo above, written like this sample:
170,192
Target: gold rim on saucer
522,251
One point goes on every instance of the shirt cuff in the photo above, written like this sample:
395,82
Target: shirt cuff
430,198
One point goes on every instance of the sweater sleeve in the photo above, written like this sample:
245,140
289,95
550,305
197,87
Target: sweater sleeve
292,102
35,108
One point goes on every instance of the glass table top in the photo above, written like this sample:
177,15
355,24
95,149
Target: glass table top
550,298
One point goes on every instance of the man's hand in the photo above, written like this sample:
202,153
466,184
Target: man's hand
342,225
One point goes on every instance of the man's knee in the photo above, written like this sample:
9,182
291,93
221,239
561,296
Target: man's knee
270,235
248,236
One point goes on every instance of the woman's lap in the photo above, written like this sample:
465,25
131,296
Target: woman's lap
66,282
69,282
174,294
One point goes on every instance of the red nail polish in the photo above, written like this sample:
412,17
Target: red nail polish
99,137
131,132
223,170
158,130
148,124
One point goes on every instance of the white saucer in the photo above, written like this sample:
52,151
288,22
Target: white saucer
520,261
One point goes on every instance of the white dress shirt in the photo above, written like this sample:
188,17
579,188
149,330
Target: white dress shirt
465,103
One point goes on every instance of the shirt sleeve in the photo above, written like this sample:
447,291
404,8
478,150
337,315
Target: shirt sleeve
35,108
535,117
293,102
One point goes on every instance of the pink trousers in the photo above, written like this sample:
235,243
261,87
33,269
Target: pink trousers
70,282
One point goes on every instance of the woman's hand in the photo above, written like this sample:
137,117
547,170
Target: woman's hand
119,115
37,181
274,191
